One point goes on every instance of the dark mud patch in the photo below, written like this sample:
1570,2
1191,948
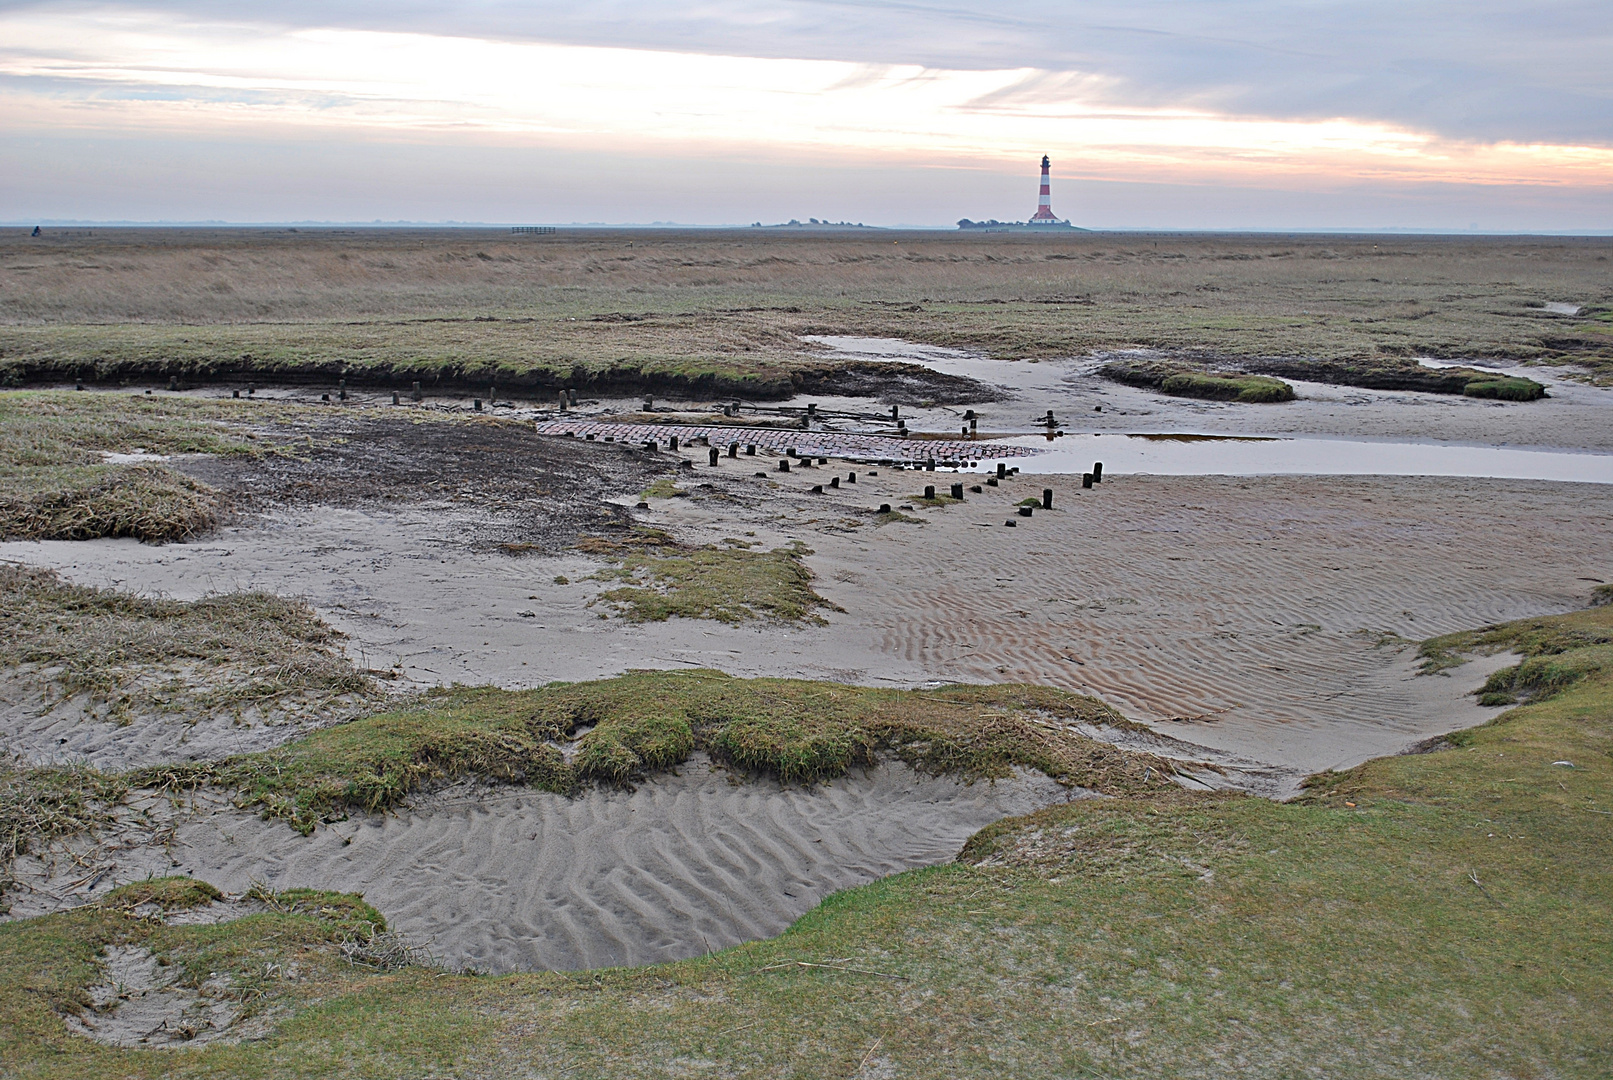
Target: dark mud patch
898,384
539,494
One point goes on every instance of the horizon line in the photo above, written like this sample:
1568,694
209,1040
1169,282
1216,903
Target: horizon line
670,226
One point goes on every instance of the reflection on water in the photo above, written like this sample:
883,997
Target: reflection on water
1178,436
1189,454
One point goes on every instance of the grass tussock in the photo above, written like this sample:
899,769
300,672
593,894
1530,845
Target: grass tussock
619,731
663,488
129,654
148,502
372,763
658,579
1397,370
1250,389
1504,389
172,893
1171,377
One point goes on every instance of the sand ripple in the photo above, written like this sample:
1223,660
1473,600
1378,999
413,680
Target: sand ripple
517,880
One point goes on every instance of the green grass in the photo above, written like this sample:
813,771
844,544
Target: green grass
659,579
172,893
1172,377
1402,372
1557,652
1250,389
663,488
234,652
628,728
1505,389
1442,915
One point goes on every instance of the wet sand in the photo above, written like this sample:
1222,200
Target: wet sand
1247,615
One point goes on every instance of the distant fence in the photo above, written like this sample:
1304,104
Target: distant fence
533,230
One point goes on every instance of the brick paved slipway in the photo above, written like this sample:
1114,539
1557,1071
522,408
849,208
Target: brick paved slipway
881,448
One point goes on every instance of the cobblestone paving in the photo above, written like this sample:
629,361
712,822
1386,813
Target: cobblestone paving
881,448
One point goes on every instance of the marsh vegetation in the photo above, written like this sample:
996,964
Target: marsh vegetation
723,313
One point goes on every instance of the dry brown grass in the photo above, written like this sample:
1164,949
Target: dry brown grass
147,502
130,654
716,306
54,486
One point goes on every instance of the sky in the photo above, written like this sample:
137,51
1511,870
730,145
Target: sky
1166,114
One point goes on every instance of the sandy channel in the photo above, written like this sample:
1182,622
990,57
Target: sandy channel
1576,415
515,880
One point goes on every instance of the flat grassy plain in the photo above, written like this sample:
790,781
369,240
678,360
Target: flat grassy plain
1443,914
722,312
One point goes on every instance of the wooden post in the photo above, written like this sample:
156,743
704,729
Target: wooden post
1097,472
714,457
1047,498
957,492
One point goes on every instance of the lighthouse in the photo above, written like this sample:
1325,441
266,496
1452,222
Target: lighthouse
1044,201
1042,220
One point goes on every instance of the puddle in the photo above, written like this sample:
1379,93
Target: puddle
1563,309
1190,454
1018,374
110,458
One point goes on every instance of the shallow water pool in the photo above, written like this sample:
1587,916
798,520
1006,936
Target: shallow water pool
1187,454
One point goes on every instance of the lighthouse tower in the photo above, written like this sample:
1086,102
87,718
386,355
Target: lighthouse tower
1044,201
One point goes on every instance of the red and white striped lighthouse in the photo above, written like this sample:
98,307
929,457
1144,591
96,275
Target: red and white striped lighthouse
1044,201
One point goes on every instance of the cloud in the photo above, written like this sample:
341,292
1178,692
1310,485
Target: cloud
1475,70
943,97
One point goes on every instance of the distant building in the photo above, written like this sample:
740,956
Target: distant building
1042,219
1044,200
